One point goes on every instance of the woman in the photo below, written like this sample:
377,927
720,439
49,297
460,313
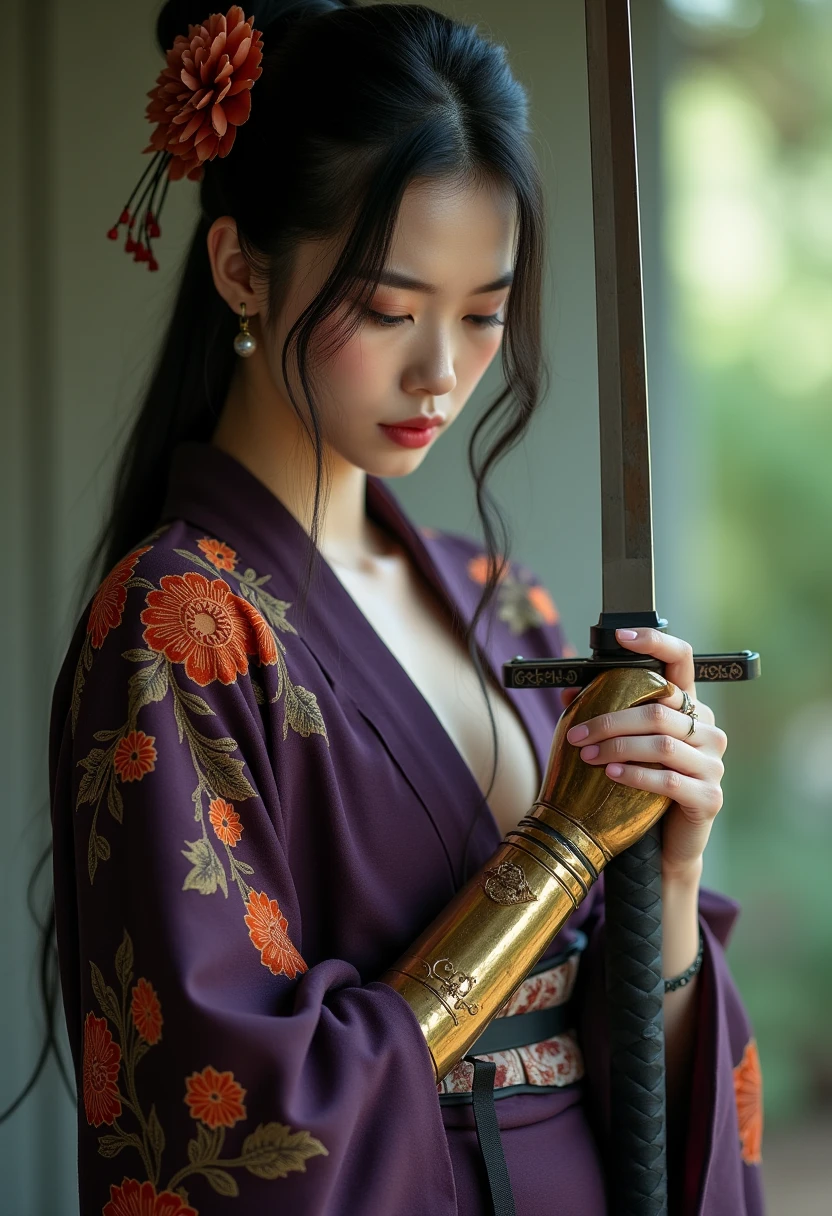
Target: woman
281,716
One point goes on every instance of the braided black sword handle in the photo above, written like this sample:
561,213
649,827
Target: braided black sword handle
635,990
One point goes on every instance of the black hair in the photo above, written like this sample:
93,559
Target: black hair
354,103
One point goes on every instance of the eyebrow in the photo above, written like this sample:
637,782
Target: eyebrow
393,278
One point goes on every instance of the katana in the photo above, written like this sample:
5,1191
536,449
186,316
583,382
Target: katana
635,988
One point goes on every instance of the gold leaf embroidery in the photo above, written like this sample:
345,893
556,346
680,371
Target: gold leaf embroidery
84,664
274,1149
301,712
124,961
208,872
222,1182
148,684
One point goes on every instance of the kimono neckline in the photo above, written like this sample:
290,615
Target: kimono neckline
210,489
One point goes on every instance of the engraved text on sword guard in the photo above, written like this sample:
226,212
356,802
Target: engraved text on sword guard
455,987
542,679
506,884
719,671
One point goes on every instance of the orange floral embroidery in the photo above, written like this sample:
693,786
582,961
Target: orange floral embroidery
540,599
147,1012
267,928
102,1056
107,607
218,554
135,1198
266,647
225,821
478,569
215,1098
748,1091
519,604
205,626
135,756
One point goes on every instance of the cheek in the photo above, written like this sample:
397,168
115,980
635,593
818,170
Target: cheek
482,355
351,364
359,371
353,382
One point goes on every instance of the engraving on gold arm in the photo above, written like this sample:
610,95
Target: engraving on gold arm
452,985
506,884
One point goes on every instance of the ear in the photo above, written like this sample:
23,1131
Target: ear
230,270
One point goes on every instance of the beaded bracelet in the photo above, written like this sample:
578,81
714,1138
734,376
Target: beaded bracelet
685,977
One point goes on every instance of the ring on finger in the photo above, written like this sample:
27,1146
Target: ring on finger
689,708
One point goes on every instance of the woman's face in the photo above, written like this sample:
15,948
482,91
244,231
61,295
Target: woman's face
428,337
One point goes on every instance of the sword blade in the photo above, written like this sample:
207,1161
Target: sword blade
633,880
626,524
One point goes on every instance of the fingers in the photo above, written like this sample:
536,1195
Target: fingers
700,800
655,718
656,749
676,654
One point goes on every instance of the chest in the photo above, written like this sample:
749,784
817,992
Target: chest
416,628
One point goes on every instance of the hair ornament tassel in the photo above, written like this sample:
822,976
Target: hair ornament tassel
201,97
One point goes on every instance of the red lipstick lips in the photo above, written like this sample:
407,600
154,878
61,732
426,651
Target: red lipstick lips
421,421
415,432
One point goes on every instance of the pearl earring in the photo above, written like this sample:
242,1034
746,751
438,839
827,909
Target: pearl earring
244,343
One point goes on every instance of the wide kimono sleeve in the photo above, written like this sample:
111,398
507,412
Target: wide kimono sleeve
218,1071
719,1170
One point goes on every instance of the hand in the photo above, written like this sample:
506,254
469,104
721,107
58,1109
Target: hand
690,766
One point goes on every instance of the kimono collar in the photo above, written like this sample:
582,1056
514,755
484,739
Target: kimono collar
211,490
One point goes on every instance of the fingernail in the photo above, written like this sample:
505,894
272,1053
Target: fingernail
615,770
627,635
589,753
577,733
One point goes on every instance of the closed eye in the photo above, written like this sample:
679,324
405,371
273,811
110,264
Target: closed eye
387,322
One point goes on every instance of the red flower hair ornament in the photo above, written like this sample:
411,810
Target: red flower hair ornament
201,97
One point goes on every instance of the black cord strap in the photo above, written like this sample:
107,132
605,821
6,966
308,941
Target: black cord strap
522,1029
488,1136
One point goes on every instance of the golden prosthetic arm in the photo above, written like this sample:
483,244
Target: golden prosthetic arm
469,961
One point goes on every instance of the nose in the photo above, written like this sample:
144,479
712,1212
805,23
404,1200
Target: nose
430,371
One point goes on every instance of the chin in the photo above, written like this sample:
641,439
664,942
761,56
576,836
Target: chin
391,462
397,464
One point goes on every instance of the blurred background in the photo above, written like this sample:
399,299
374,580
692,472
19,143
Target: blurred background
734,102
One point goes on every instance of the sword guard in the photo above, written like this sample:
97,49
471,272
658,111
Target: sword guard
607,652
577,673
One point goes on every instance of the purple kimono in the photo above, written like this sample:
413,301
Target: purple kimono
255,811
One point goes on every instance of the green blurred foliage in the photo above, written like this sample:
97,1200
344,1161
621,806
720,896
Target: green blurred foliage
749,237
